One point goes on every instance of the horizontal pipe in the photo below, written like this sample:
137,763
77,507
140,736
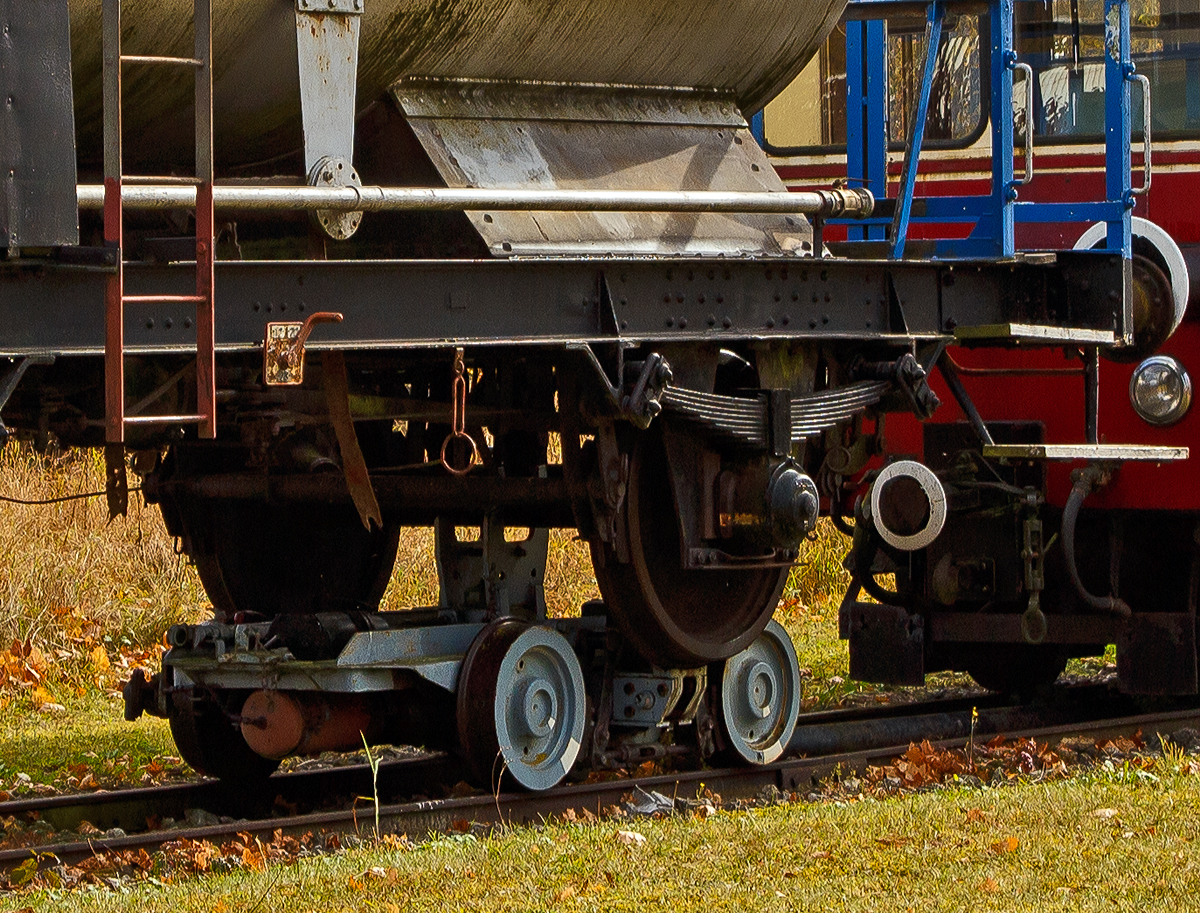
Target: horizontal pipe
825,203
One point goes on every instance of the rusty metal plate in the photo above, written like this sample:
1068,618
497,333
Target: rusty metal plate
558,137
283,359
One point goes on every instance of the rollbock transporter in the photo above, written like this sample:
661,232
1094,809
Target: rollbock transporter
318,271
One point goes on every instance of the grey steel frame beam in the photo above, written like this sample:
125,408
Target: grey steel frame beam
429,304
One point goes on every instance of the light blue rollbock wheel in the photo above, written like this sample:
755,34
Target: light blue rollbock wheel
521,705
760,697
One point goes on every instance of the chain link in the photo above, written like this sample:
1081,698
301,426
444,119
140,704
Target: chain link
458,420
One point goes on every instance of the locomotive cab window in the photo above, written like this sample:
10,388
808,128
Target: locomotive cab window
1064,43
811,112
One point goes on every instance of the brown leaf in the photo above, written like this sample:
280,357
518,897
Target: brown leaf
974,815
989,886
1007,845
563,894
460,825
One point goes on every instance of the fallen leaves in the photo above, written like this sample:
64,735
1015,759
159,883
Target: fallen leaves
630,838
925,765
1007,845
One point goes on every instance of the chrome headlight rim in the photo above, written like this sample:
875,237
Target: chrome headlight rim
1184,380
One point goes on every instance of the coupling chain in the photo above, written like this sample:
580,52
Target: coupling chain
458,420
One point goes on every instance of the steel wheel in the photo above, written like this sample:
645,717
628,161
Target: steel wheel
671,615
760,697
211,742
521,705
270,559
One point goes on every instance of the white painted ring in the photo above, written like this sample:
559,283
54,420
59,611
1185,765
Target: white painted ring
1177,270
933,491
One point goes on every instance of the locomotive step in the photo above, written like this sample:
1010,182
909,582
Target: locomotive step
1086,452
1034,334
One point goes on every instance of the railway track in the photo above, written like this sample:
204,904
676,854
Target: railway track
842,741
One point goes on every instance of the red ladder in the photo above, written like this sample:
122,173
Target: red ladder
116,421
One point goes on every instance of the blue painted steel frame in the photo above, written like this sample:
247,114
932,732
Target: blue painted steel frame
994,215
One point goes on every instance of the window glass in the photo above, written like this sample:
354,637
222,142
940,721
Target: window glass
1063,41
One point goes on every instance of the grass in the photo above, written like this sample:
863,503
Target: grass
1068,845
84,601
84,598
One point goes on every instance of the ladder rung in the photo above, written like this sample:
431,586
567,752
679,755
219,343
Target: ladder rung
172,180
163,61
164,299
165,419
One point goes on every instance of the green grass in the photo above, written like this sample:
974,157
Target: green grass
1070,845
92,734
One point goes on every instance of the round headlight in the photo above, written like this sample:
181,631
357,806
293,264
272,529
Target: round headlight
1160,390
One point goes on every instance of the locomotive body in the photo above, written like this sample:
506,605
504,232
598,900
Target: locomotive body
1134,535
515,266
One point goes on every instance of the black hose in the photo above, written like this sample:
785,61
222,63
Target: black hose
1085,481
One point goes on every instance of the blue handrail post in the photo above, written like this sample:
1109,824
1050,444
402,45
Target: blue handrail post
916,134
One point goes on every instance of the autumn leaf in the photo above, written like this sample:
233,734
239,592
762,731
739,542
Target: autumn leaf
1007,845
98,659
989,886
630,838
974,815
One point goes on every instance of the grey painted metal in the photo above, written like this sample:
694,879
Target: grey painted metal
540,708
327,55
368,662
395,199
751,48
415,304
646,700
37,128
760,696
554,137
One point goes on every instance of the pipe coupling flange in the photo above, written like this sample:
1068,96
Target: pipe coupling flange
335,171
908,505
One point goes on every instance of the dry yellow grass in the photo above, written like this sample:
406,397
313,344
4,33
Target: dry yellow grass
70,580
65,560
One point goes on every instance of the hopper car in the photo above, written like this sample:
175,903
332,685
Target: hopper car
315,272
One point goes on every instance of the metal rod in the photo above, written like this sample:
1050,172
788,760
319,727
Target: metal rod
1091,394
162,61
950,375
845,202
164,419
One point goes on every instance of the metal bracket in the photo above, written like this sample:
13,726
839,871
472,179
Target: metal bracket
643,700
327,49
643,403
349,7
283,349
